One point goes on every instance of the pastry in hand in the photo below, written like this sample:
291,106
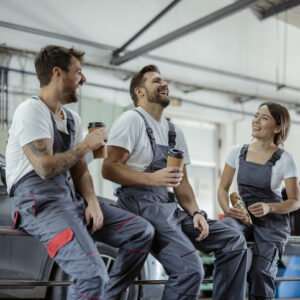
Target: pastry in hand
237,202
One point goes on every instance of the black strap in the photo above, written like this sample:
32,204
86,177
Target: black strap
148,130
243,151
172,135
276,155
70,126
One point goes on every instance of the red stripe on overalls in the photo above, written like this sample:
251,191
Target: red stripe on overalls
87,297
125,223
136,251
91,253
33,197
15,220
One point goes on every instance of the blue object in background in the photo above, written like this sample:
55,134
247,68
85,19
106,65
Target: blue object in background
280,273
290,289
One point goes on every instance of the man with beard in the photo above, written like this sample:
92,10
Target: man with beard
45,141
137,153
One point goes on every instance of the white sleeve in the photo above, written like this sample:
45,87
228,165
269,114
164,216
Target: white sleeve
232,157
32,123
290,166
78,128
125,131
182,145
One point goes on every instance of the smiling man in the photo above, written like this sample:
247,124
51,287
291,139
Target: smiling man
137,154
45,141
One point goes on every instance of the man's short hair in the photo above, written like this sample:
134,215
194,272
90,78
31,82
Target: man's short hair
138,80
54,56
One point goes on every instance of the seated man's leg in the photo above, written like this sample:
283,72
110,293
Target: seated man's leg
133,236
181,263
230,249
63,232
171,246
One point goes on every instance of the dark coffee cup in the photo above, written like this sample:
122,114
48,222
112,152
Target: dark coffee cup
175,158
102,151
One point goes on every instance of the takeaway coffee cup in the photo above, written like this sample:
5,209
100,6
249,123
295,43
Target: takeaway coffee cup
175,158
102,151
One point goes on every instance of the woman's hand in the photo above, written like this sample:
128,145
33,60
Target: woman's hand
236,213
259,209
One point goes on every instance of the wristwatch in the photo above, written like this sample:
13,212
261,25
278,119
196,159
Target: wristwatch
201,212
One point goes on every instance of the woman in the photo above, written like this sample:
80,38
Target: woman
261,168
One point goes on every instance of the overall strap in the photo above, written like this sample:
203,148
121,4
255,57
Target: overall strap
172,135
243,151
70,125
276,156
148,130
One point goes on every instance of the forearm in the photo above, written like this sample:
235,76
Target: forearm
84,186
186,198
52,165
121,174
223,200
284,207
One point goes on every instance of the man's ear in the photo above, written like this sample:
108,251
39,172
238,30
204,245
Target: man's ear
56,73
139,91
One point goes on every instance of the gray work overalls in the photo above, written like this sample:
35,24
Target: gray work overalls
54,213
174,243
270,232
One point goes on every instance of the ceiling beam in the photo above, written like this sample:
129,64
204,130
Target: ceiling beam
55,35
278,9
148,25
204,21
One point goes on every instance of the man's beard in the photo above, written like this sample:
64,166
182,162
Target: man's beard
157,98
70,95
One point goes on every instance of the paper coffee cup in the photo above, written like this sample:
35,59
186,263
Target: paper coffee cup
175,158
102,151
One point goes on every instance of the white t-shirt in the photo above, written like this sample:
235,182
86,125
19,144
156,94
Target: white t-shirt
32,121
129,132
284,168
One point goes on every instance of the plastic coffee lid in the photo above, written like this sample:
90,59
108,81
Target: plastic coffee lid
176,153
96,124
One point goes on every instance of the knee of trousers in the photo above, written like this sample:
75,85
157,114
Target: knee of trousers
89,287
234,235
189,282
147,231
236,242
190,277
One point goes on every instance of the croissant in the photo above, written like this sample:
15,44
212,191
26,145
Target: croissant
238,203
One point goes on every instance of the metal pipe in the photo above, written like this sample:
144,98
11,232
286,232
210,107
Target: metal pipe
223,73
27,283
2,98
204,21
173,62
149,24
214,107
54,35
194,86
6,98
